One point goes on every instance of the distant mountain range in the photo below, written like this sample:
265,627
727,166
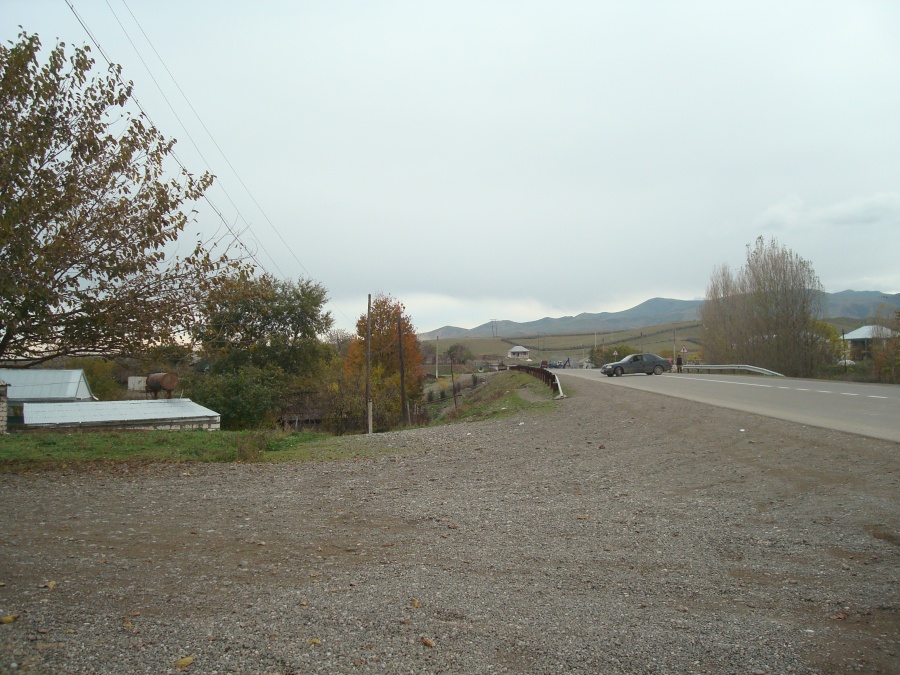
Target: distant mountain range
848,304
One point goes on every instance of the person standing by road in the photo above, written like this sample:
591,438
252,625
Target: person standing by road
678,363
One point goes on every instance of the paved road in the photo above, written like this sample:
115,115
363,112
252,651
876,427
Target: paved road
866,409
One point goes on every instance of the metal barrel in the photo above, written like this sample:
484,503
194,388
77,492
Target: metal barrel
162,382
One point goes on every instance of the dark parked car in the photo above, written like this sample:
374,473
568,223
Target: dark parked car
637,363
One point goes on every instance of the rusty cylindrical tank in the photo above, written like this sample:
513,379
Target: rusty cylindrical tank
158,382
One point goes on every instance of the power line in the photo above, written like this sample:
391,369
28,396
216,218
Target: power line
211,137
149,119
231,231
178,118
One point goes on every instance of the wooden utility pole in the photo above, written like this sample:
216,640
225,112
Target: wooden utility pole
402,382
453,386
369,362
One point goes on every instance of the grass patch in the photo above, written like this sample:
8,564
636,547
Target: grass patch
36,451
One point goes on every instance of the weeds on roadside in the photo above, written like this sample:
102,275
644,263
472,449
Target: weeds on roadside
251,445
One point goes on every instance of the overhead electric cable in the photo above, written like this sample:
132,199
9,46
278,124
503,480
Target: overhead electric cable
240,179
235,236
178,118
212,138
174,155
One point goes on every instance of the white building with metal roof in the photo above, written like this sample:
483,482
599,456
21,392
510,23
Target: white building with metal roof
44,385
174,414
861,333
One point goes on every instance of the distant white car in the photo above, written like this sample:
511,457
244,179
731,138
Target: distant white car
846,362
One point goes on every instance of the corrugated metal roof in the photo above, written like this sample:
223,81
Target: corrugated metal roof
861,333
46,385
86,413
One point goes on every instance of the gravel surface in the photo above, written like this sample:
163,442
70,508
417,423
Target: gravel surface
622,532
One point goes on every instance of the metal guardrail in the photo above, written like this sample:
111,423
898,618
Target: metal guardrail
543,374
729,368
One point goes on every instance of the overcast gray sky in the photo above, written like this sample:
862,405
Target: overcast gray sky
515,160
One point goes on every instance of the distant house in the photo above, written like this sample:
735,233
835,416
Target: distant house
856,342
174,414
45,386
518,353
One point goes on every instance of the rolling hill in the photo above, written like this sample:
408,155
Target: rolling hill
849,304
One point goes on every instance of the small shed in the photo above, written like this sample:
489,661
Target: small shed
518,353
171,414
45,386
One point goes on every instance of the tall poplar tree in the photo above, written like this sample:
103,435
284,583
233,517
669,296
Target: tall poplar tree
767,314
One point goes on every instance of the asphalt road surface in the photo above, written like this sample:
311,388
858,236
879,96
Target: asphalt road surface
866,409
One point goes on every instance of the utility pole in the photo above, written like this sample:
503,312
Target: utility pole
369,362
453,386
437,352
402,382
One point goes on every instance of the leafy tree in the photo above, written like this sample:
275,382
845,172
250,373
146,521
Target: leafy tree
385,360
339,340
459,353
767,314
167,357
87,215
263,321
338,399
429,350
885,347
100,373
604,354
246,398
260,339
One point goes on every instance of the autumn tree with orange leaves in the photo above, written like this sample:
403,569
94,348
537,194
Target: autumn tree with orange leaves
386,314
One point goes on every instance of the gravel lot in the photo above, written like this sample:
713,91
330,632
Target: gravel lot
623,532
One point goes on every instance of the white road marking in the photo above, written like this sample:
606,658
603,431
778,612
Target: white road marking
769,386
745,384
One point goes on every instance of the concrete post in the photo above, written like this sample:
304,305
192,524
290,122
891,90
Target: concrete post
3,407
